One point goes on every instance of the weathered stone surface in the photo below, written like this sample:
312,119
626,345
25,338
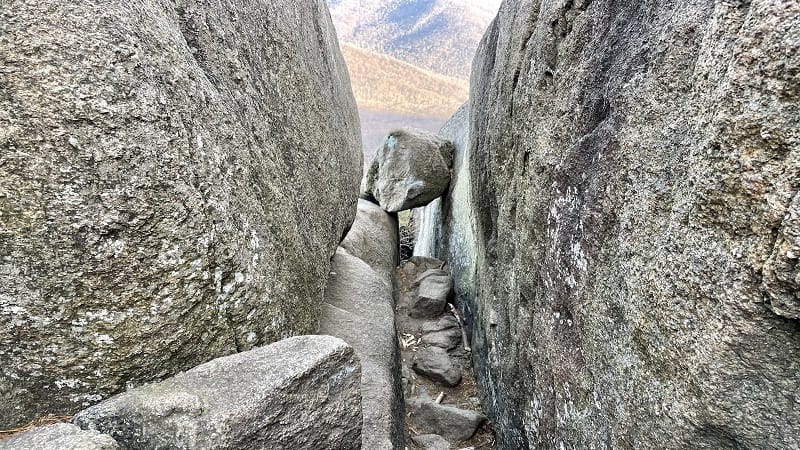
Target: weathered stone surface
431,442
454,424
299,393
432,295
424,263
174,178
60,436
429,273
374,238
436,364
454,239
443,323
410,169
359,308
446,339
622,225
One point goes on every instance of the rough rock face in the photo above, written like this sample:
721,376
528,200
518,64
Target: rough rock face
433,292
374,238
300,393
453,423
359,308
410,170
431,442
60,436
436,364
161,165
631,274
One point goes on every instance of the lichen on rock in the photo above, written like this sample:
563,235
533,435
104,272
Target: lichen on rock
160,201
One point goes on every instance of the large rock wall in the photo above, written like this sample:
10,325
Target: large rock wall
634,171
175,176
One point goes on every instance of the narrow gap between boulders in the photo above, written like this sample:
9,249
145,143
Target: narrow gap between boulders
441,396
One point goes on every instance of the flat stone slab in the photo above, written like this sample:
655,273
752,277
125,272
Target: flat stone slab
60,436
454,424
299,393
359,307
429,273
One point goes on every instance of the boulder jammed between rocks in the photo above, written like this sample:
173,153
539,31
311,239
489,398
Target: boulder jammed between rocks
160,201
410,170
299,393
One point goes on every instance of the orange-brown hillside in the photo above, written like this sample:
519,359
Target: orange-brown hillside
384,84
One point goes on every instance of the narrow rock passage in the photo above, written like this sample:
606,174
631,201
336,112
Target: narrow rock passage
435,363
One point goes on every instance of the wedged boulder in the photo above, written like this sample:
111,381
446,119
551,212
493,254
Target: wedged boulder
374,238
60,436
435,364
160,200
432,296
452,423
299,393
359,308
410,170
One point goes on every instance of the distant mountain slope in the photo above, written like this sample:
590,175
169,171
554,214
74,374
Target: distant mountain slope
437,35
384,84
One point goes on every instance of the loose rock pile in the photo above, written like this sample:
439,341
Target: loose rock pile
435,360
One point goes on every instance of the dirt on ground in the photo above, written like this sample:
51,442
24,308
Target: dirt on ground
465,395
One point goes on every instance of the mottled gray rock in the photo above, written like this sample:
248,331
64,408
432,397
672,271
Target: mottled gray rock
299,393
435,364
443,323
432,295
374,238
424,263
454,424
174,179
60,436
431,442
429,273
408,268
410,169
359,308
447,339
621,224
